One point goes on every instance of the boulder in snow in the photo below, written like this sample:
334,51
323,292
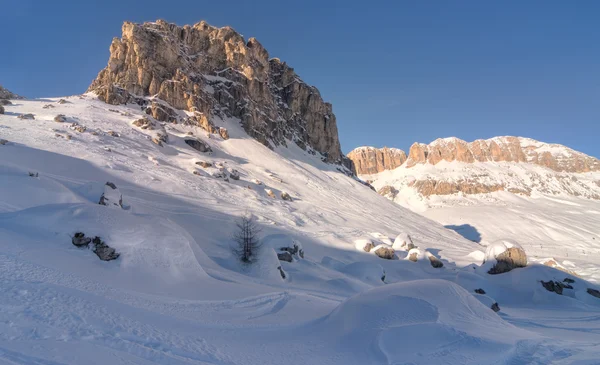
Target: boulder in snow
224,133
80,240
27,116
61,118
112,196
495,307
3,142
285,256
384,252
198,145
286,196
414,255
434,261
1,109
555,286
204,164
594,292
234,174
5,102
296,249
480,291
364,244
504,256
403,242
103,251
270,193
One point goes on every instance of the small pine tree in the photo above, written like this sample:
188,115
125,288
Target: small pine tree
246,237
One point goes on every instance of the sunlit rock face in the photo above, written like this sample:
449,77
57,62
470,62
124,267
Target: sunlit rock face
214,73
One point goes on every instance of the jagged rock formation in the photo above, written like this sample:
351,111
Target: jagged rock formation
214,73
371,160
6,95
502,149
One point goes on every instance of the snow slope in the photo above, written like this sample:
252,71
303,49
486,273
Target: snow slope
176,295
557,219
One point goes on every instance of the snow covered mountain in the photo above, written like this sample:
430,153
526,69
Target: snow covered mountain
543,195
128,172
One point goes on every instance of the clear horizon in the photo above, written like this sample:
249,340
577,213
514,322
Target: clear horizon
395,73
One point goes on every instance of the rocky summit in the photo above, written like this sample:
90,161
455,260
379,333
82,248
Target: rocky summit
214,74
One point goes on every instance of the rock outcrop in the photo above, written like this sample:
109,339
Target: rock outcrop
7,95
371,160
214,73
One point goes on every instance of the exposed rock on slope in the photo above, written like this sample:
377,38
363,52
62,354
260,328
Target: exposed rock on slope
214,73
371,160
5,94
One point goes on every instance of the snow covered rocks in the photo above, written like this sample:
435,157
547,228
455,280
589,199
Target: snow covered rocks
403,242
100,248
27,116
503,256
103,251
80,240
112,196
384,251
434,261
286,196
555,286
289,253
198,145
1,109
61,118
364,244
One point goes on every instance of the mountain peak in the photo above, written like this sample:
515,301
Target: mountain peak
214,74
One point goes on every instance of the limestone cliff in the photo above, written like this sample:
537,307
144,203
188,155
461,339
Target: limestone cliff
371,160
215,74
513,164
502,149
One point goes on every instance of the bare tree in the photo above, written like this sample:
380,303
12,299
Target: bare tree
246,237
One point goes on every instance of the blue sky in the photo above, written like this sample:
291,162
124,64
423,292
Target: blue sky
396,71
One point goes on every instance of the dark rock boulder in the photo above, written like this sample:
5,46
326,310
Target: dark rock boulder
285,256
27,116
593,292
495,307
198,145
480,291
80,240
103,251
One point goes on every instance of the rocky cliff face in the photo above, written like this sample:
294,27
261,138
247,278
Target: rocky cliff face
533,167
214,74
371,160
502,149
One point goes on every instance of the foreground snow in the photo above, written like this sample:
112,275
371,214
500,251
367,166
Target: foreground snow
177,295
